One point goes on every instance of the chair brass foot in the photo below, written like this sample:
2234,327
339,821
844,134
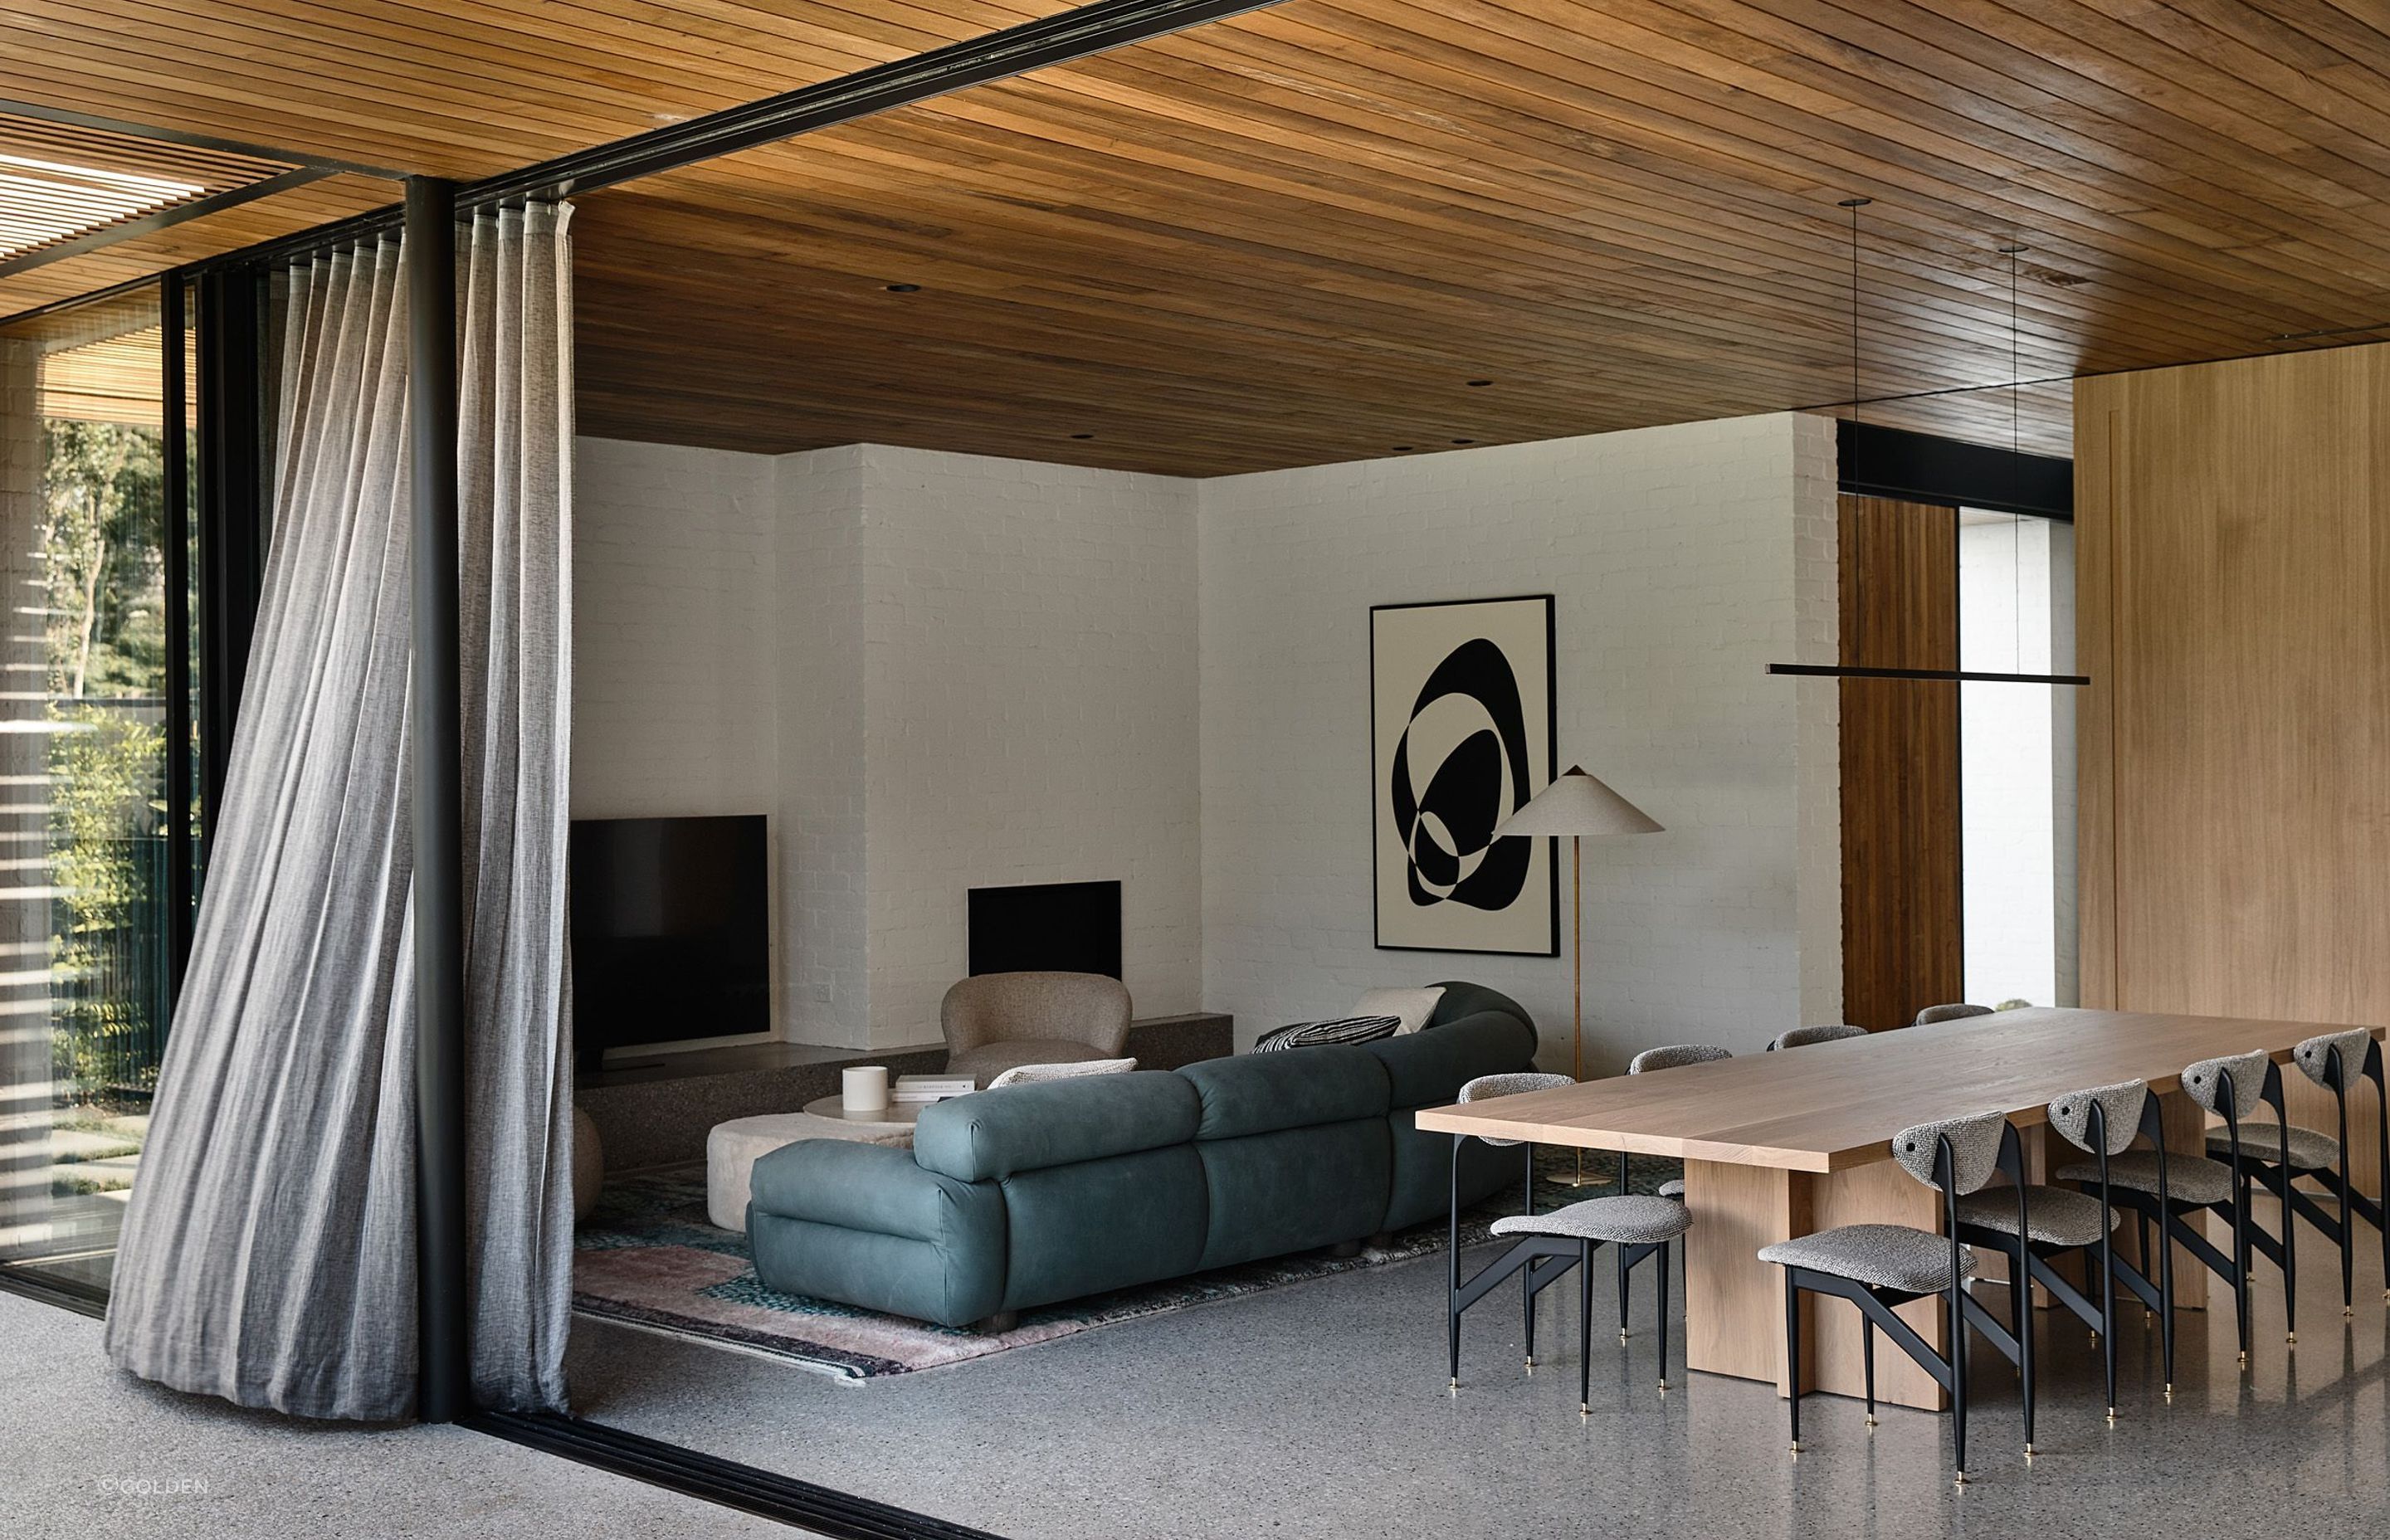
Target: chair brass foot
2244,1360
2112,1416
1796,1448
2348,1312
2169,1390
2293,1339
1962,1479
1621,1334
1584,1408
2030,1451
1663,1387
1872,1419
1531,1365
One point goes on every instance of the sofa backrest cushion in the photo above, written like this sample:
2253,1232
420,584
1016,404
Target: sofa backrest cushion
1428,1068
1264,1092
989,1135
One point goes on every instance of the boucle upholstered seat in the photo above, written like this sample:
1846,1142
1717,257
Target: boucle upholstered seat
2190,1179
2054,1217
2310,1150
1954,1013
1884,1256
1880,1267
1544,1246
1630,1219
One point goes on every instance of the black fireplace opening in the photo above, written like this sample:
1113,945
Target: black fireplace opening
1046,927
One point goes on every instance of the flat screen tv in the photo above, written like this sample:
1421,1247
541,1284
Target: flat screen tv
1046,927
670,932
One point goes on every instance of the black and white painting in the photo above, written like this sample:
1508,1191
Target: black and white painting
1461,716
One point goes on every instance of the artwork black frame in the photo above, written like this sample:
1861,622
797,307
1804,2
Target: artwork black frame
1551,770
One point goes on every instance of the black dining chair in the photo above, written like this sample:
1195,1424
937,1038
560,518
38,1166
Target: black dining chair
1882,1267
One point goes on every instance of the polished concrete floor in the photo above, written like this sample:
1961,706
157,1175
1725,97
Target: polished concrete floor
1320,1410
88,1453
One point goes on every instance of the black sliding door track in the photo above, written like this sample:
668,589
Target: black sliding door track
839,1515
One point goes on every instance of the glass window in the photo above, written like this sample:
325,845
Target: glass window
83,852
2016,587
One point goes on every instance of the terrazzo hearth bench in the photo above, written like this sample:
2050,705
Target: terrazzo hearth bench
1028,1196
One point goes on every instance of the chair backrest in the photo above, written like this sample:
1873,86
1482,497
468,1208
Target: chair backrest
1487,1087
1800,1037
1975,1146
2119,1107
1675,1055
2233,1086
1956,1012
2314,1057
1010,1007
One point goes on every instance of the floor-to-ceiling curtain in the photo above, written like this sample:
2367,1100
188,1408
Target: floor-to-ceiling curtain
269,1253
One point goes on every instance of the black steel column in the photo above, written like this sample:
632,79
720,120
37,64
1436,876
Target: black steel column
232,323
177,464
444,1390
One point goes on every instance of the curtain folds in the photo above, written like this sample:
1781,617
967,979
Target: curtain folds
268,1254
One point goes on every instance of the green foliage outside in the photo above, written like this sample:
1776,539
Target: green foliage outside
104,572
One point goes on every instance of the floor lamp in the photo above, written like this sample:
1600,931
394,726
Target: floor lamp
1576,804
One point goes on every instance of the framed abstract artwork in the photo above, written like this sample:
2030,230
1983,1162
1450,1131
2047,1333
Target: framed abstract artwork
1462,727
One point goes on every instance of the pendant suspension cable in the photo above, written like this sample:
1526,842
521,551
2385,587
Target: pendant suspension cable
2016,449
1854,205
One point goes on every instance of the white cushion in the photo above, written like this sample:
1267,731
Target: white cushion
1024,1074
1410,1006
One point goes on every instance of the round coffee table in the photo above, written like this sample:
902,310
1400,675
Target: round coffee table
898,1117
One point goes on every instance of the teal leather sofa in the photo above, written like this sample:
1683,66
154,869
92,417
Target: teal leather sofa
1034,1194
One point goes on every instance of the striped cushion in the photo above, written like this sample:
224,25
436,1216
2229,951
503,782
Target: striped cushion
1313,1034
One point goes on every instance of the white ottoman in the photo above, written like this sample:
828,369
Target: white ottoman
732,1149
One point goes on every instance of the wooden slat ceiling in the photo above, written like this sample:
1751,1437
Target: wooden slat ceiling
1296,237
462,88
59,182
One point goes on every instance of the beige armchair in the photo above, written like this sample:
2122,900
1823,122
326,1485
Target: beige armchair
995,1021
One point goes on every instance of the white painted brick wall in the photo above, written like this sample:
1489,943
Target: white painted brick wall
934,671
1030,665
673,607
1684,560
940,672
820,570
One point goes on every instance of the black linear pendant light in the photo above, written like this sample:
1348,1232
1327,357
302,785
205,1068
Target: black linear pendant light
2016,379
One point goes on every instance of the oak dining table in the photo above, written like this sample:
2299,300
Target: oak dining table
1776,1145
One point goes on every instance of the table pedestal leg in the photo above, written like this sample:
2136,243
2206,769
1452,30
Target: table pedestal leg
1734,1303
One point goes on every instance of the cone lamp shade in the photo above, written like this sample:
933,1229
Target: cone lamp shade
1574,806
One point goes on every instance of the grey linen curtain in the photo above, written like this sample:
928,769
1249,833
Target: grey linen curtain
268,1253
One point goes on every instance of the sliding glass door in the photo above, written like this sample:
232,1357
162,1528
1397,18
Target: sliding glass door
89,464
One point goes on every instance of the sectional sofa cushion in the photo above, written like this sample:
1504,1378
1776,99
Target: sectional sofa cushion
1081,1229
994,1134
1261,1094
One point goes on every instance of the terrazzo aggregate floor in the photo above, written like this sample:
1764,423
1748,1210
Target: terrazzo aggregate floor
1320,1410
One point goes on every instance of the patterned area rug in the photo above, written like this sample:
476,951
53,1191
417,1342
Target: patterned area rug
648,1258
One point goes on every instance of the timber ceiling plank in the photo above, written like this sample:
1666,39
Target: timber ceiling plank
1292,236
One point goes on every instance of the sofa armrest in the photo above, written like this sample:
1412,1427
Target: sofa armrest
865,1224
876,1188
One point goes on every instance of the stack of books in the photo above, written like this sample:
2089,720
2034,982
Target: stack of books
917,1088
